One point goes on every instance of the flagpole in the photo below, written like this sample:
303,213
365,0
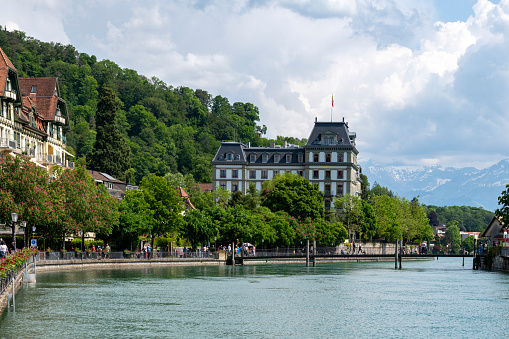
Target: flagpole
331,107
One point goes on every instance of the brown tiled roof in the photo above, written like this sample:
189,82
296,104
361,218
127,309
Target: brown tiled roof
5,64
185,196
28,102
206,187
102,177
44,98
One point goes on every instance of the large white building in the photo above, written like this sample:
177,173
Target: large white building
328,160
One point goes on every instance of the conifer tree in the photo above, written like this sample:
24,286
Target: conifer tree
111,153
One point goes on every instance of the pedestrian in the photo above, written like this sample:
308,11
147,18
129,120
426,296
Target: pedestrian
3,250
353,247
149,251
360,248
107,250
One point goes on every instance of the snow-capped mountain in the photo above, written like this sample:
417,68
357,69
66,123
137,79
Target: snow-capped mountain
440,186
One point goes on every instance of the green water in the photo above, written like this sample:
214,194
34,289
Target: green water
358,300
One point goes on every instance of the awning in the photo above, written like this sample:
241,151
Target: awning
63,150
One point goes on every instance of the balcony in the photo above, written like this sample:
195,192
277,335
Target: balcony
29,152
10,94
7,145
59,120
70,164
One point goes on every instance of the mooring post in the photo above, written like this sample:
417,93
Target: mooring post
233,253
13,296
314,253
307,253
396,255
400,255
463,259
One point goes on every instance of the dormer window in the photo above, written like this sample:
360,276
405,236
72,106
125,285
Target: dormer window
328,140
237,157
229,157
301,158
34,89
277,157
288,158
252,157
265,158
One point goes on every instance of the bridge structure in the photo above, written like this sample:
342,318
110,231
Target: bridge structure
313,257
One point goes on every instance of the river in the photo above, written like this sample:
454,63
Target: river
359,300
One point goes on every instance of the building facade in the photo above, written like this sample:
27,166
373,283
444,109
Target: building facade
33,118
328,160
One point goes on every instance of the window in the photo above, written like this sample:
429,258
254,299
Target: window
340,174
252,157
327,189
252,174
327,157
277,157
327,204
288,158
288,172
235,186
237,157
301,158
8,85
327,174
315,157
264,158
340,188
229,157
275,172
300,172
315,174
340,157
264,174
222,173
235,173
34,89
223,185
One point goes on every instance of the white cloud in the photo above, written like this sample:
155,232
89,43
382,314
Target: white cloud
415,89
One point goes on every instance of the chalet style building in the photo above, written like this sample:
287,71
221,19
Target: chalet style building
33,118
328,160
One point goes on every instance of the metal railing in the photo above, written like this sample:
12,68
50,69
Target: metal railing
71,255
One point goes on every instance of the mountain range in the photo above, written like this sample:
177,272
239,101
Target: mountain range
439,186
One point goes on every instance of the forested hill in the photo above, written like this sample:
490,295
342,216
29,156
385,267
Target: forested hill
170,129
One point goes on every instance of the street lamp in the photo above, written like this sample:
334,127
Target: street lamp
23,226
14,218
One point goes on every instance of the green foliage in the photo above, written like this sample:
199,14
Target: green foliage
110,154
468,243
198,228
470,219
503,211
295,195
453,237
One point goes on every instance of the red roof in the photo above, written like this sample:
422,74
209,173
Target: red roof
206,187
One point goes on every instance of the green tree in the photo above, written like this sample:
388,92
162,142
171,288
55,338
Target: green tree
111,153
295,195
502,212
453,237
165,204
468,243
348,209
198,228
135,214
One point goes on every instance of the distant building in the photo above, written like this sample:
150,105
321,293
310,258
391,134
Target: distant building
115,187
494,232
328,160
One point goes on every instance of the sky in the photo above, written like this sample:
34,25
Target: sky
421,82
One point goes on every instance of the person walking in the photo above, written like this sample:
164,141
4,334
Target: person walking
107,250
3,250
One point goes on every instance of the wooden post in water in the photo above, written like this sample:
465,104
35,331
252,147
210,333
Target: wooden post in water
396,255
233,253
400,257
314,253
307,253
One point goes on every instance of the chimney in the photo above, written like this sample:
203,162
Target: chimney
316,119
285,144
272,144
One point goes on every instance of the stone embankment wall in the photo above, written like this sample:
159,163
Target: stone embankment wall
500,263
18,282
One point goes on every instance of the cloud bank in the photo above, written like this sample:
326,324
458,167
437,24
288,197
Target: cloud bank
416,90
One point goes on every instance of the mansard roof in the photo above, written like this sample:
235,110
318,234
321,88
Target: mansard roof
235,148
46,96
337,129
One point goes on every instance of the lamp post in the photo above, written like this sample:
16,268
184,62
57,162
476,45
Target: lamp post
24,225
14,218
